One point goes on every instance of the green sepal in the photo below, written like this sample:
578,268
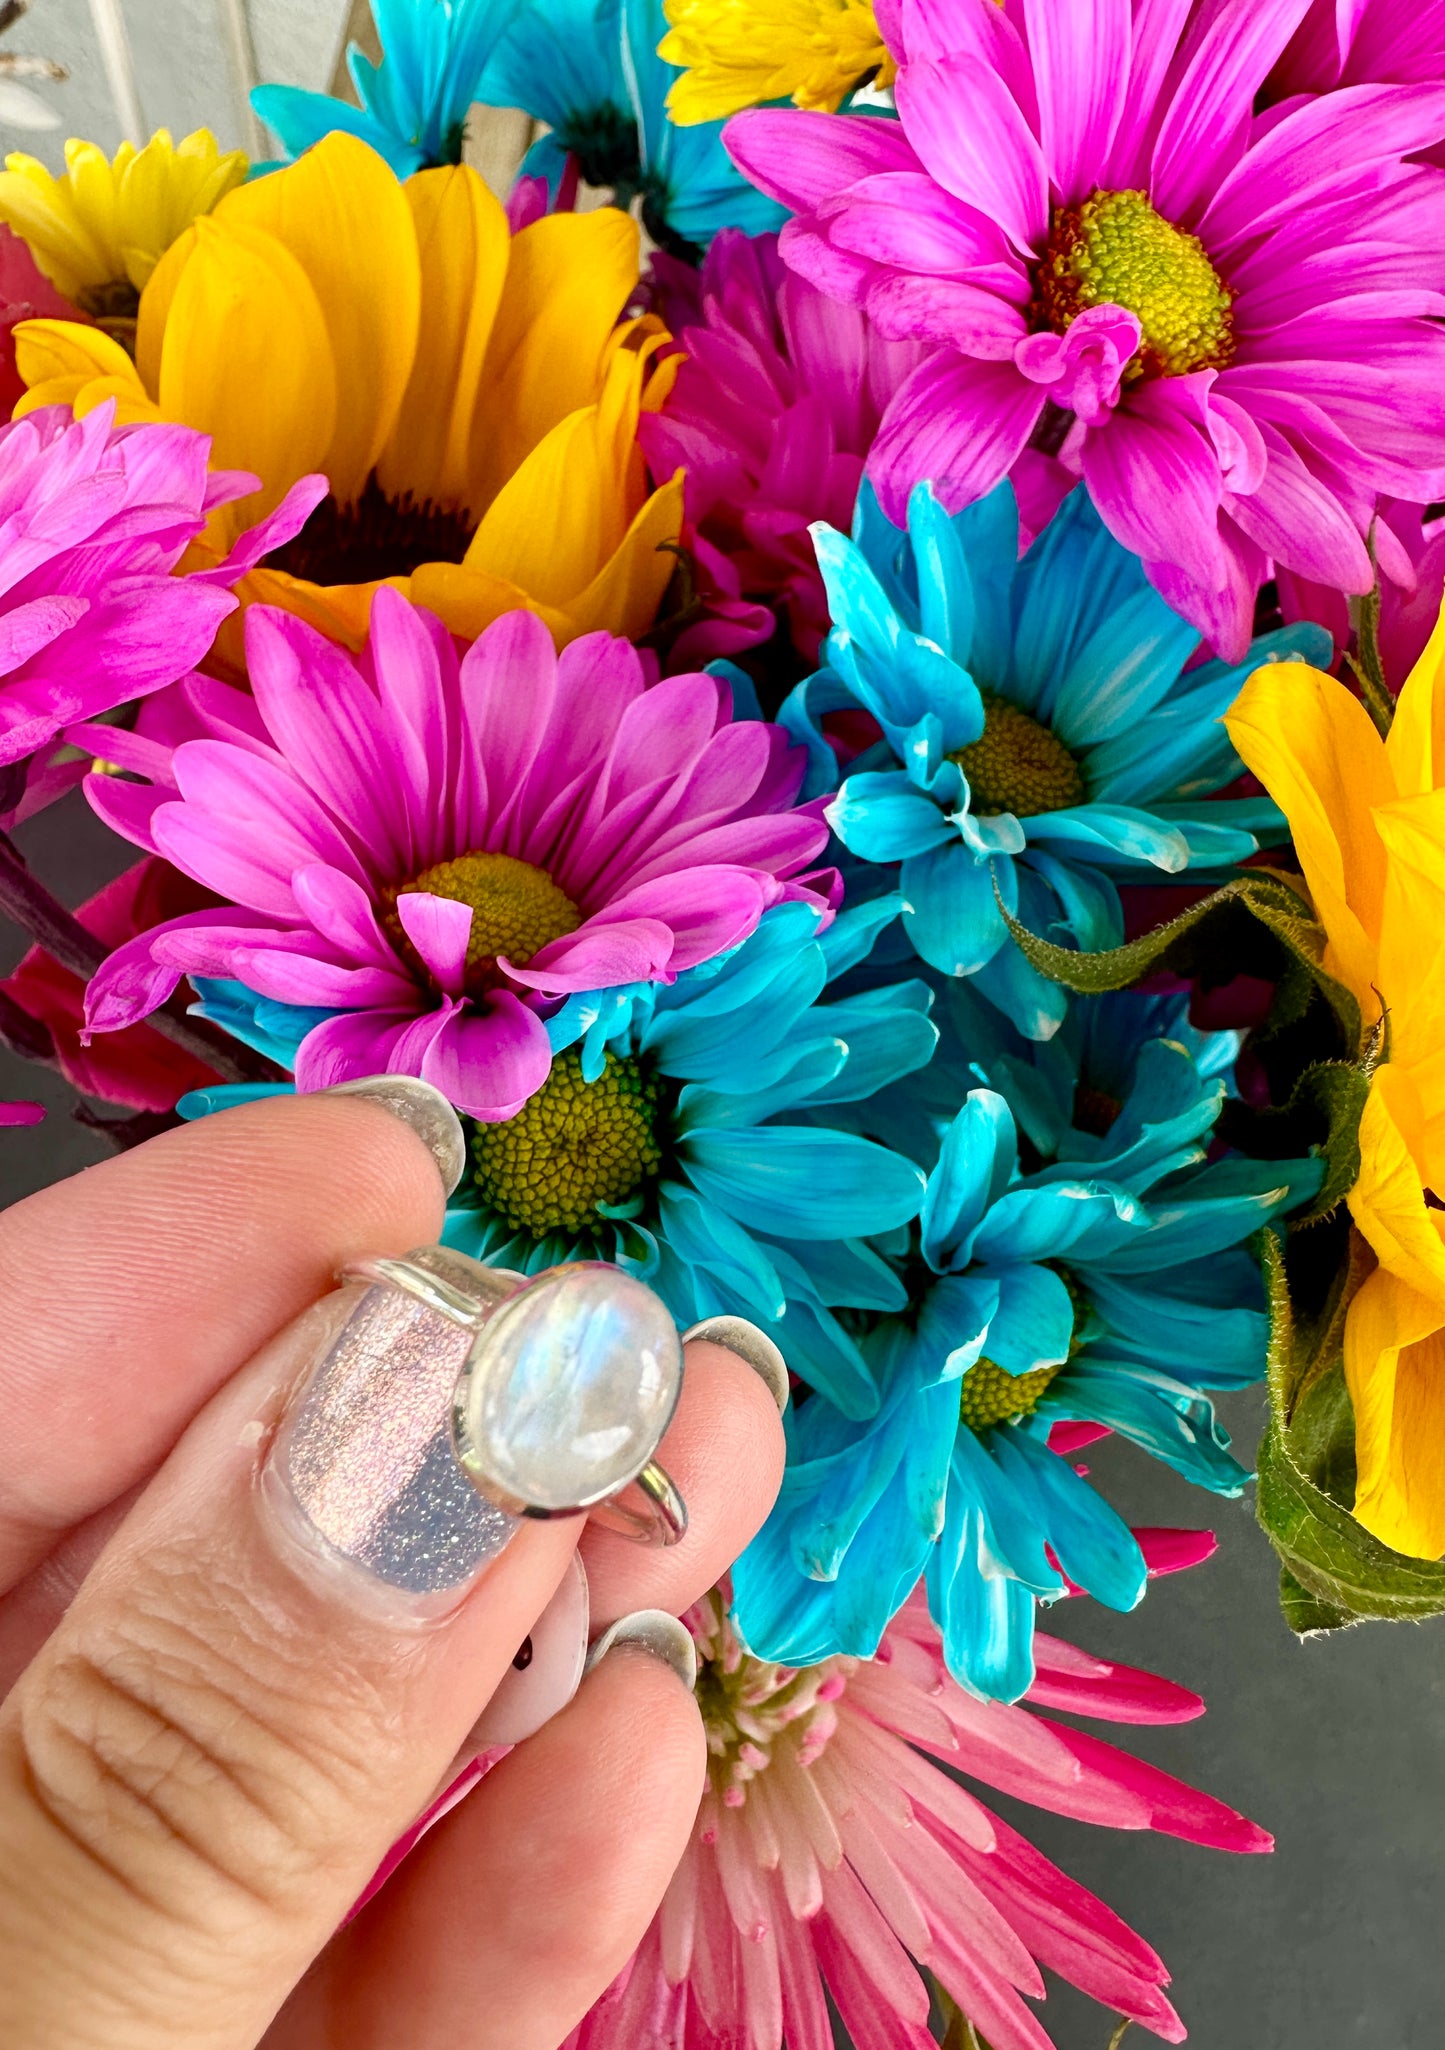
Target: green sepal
1263,893
1335,1572
1323,1114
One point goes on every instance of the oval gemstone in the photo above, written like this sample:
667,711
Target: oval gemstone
567,1390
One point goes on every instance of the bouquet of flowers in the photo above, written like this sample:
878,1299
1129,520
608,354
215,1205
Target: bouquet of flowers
849,668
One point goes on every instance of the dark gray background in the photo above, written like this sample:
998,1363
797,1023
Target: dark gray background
1337,1745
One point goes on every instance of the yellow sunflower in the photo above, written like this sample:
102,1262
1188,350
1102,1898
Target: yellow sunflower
99,231
471,395
738,53
1368,820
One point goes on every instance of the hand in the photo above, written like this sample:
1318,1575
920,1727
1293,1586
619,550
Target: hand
205,1751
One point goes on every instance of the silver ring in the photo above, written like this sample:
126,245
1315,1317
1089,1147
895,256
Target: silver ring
660,1519
662,1522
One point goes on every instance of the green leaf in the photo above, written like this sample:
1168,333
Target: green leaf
1261,892
1335,1571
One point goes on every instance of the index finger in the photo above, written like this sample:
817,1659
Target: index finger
134,1290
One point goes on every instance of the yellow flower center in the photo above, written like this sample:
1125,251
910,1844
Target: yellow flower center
1114,249
374,538
573,1147
989,1396
516,910
1017,765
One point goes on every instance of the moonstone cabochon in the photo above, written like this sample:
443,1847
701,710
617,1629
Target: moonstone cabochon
567,1390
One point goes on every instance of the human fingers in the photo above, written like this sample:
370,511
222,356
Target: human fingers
134,1290
241,1709
724,1448
524,1903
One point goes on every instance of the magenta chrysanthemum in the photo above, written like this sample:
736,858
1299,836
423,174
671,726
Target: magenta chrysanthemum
829,1853
1231,321
93,519
434,848
771,418
1363,42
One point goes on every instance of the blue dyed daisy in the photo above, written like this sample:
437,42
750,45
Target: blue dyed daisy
684,1131
590,70
414,103
1109,1285
1042,738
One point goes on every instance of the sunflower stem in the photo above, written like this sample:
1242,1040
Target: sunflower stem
25,900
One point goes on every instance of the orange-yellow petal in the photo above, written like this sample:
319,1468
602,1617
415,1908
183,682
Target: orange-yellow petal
62,357
568,279
1412,941
1395,1372
624,595
1388,1199
464,243
468,600
1415,743
1317,753
247,359
343,217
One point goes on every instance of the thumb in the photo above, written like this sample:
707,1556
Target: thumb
203,1766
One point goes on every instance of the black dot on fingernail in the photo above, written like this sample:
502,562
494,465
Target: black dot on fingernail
524,1656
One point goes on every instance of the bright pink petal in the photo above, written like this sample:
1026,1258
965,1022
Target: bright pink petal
957,424
992,160
805,158
440,929
1081,64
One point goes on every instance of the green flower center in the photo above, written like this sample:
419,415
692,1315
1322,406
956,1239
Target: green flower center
1017,765
989,1396
1114,249
516,910
573,1147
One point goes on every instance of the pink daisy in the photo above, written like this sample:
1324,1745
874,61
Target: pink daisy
93,519
771,417
1228,323
829,1853
431,849
1363,42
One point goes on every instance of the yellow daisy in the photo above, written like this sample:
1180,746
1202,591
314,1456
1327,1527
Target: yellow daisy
1368,820
99,231
470,394
738,53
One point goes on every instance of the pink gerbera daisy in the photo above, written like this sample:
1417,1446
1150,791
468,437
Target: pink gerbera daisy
1229,323
830,1853
433,849
93,519
773,412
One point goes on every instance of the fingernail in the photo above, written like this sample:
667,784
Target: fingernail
422,1107
737,1335
362,1482
546,1672
656,1632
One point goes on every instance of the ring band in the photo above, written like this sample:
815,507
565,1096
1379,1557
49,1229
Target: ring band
661,1519
662,1522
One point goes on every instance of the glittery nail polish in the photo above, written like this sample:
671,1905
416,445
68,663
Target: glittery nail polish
363,1480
